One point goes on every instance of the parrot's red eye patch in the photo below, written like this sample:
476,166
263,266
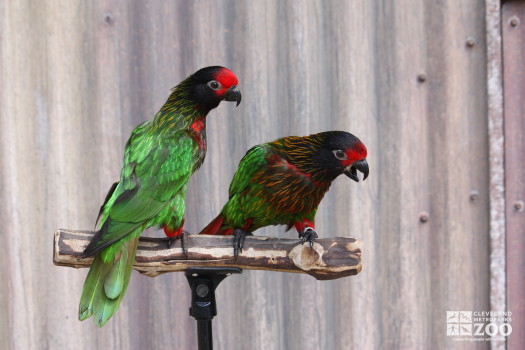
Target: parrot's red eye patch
226,77
357,152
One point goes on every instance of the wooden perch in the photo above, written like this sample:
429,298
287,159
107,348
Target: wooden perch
330,258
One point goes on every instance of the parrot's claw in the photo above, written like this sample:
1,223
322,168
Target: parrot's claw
308,235
239,236
183,238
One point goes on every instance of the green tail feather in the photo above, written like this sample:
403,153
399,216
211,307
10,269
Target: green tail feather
115,280
106,282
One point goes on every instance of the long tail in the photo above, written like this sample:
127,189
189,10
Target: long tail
107,281
216,228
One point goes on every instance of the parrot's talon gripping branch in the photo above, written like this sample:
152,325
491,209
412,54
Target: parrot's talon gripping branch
183,238
308,235
330,258
239,236
183,242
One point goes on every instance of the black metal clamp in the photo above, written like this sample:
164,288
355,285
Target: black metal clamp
203,282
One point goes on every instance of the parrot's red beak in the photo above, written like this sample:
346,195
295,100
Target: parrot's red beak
233,94
351,170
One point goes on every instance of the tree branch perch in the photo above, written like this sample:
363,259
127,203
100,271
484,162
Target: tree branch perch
330,258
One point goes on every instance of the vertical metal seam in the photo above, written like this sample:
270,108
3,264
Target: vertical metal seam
496,160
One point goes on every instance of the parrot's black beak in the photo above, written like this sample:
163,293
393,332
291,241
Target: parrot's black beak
351,171
233,94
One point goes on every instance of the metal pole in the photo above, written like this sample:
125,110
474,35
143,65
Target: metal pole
204,334
203,282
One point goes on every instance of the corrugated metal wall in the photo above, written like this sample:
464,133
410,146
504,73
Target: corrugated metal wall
513,32
77,76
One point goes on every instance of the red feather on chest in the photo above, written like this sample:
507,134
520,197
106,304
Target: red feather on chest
197,130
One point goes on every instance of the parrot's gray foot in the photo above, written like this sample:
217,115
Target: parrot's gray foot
239,236
183,238
308,235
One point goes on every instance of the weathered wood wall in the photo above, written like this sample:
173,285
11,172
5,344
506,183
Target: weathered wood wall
77,76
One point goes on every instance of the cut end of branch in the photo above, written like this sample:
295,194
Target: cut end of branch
328,258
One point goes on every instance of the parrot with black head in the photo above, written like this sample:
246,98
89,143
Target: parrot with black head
159,158
282,183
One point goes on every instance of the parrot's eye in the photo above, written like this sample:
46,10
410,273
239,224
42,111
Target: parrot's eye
215,85
340,154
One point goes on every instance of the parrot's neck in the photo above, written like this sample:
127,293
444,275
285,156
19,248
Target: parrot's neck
180,112
179,119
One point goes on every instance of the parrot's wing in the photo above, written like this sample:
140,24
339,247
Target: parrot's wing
108,197
253,161
149,180
155,180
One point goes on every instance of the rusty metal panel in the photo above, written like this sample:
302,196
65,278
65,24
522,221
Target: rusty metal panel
513,29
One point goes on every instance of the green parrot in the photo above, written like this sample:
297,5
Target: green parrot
159,159
282,183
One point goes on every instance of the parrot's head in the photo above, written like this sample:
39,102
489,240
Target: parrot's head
209,86
340,152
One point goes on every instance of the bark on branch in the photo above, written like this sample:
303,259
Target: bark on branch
330,258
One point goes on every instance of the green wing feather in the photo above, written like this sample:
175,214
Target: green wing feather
243,201
252,162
